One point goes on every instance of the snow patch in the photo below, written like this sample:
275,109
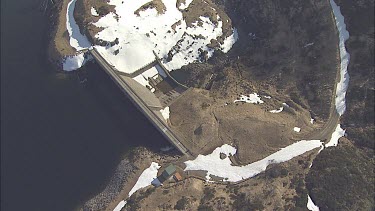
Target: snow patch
308,44
267,97
277,110
144,77
339,132
297,129
224,168
342,86
165,112
252,98
77,40
312,121
94,12
144,180
229,41
310,204
71,63
120,206
186,5
147,176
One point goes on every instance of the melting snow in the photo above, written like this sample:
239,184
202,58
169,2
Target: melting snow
297,129
342,86
286,105
339,132
77,40
186,5
229,41
224,168
144,180
143,78
310,204
120,206
94,12
277,110
139,35
165,113
252,98
74,62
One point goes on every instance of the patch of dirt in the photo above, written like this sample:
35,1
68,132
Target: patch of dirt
154,4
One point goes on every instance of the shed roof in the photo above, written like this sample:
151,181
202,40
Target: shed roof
171,169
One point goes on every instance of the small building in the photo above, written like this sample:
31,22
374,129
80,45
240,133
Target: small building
167,173
177,177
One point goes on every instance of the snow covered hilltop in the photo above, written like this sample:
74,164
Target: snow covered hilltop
127,32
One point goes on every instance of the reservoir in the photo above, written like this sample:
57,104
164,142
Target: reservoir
61,139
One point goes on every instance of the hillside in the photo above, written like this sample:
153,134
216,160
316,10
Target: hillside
265,76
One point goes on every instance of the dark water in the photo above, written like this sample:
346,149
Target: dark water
60,140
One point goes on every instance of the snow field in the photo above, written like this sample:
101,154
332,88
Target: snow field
225,169
139,35
143,78
342,86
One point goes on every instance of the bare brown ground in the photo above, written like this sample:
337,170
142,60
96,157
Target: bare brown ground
206,123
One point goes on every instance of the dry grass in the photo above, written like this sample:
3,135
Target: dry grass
205,123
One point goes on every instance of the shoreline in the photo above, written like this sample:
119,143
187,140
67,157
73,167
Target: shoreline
58,43
123,178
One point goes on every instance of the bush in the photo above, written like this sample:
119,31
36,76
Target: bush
181,204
